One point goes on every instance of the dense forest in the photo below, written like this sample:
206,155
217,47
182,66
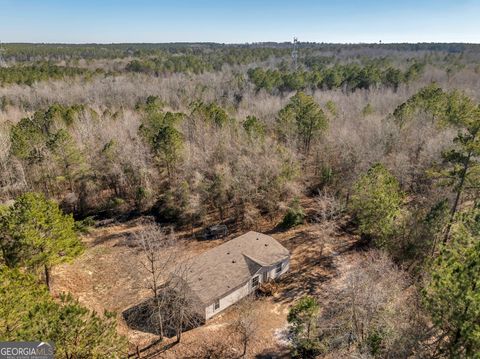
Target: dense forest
383,138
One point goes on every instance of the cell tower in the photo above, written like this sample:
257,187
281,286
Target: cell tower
2,61
295,53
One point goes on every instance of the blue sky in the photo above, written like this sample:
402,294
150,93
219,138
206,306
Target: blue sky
228,21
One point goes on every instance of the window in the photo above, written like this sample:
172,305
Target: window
255,281
278,268
216,305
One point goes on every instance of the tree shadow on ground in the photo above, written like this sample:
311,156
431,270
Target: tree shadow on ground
309,268
312,264
273,354
142,317
150,354
108,238
279,228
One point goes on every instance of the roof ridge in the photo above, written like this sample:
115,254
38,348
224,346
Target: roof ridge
263,264
232,263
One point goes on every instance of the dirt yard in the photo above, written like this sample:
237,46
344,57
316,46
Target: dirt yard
110,276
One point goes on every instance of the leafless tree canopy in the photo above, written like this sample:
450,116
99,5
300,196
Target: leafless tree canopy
200,134
169,311
373,309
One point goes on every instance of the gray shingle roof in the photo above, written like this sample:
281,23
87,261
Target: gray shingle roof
220,270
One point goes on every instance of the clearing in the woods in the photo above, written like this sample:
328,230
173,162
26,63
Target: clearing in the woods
110,276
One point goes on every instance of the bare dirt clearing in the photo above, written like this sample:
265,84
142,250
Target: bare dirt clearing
110,276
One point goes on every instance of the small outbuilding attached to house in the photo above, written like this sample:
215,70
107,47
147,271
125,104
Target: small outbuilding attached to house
225,274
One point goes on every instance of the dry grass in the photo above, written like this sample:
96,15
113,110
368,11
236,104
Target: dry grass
109,276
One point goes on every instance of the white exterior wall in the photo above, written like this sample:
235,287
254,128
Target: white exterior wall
271,270
228,300
244,290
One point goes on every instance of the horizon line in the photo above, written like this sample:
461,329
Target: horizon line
239,43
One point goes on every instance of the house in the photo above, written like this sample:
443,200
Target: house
225,274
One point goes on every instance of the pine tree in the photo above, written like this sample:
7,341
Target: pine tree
461,165
37,235
302,318
28,311
452,295
305,118
78,332
376,204
254,127
165,140
19,293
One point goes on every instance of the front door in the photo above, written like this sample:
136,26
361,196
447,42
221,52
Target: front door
265,277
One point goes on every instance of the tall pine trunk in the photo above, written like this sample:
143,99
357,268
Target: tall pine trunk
47,276
457,196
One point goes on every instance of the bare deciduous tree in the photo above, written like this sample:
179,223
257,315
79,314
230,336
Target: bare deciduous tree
220,349
174,308
184,312
246,322
160,256
373,309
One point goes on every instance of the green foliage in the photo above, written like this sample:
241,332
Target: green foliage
460,163
27,311
307,348
219,54
210,113
429,231
141,194
394,77
302,318
350,76
44,144
79,332
4,103
294,216
114,204
303,314
168,208
254,127
326,176
168,143
445,108
429,100
19,295
414,71
376,204
331,107
65,152
28,75
368,110
200,61
266,79
151,104
303,118
164,65
460,168
160,131
36,234
374,343
84,226
452,295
